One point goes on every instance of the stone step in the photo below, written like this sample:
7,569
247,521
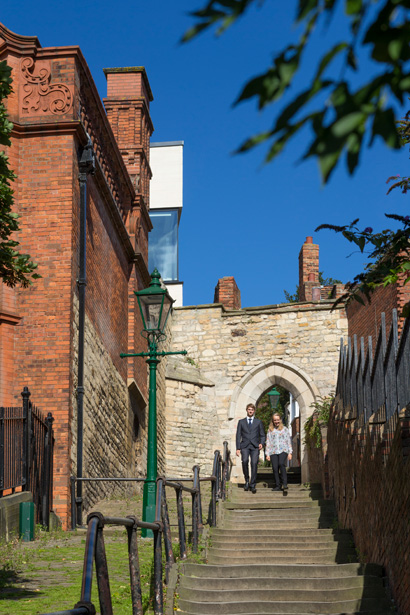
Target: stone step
283,549
275,533
294,525
281,539
361,605
235,543
341,582
245,514
280,595
296,558
271,503
275,571
274,497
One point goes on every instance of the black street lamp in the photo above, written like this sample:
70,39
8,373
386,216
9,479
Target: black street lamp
155,306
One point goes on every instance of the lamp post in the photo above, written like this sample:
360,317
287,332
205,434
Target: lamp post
155,306
273,398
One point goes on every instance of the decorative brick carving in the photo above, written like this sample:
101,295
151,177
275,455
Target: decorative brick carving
40,94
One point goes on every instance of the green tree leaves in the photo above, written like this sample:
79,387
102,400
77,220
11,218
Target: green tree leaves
388,255
347,118
15,268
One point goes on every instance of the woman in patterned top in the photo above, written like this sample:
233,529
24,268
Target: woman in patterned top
278,450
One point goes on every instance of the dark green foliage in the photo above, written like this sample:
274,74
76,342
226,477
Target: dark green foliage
319,418
388,257
346,116
327,281
15,268
263,409
292,298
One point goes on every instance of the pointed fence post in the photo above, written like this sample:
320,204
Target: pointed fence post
26,439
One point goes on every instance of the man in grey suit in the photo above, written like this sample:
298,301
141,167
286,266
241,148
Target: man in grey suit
250,438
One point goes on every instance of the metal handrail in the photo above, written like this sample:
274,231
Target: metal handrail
95,548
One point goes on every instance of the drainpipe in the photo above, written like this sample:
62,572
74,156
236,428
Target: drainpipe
86,166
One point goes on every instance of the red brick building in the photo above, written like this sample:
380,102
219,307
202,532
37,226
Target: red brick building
56,111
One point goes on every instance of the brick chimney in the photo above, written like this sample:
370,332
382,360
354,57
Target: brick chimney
308,269
127,105
227,293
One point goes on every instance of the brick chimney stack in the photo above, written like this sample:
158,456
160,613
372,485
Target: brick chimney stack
227,293
127,105
308,269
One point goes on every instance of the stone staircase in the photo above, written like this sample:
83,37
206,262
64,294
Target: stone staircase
277,554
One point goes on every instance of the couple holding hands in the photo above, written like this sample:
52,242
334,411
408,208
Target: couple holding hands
250,439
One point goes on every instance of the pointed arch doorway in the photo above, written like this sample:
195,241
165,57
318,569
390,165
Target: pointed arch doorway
258,381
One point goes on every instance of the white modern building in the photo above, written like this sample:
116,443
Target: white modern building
166,195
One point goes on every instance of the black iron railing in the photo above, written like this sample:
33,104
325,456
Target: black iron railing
370,383
26,455
161,528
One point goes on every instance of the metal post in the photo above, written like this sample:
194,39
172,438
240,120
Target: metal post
101,572
86,166
181,524
169,554
26,438
72,488
158,593
1,451
149,493
213,520
48,461
135,578
195,511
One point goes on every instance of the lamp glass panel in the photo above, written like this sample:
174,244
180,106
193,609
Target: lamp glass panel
166,310
151,310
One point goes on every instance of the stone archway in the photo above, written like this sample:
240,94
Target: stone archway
260,379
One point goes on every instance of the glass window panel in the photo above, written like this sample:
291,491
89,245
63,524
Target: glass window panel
163,244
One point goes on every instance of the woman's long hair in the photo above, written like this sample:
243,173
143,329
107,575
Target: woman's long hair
272,426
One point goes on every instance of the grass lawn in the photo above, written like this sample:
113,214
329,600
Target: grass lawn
45,575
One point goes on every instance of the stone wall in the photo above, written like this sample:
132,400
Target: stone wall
108,442
236,356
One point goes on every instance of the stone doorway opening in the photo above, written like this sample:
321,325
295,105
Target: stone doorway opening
288,408
257,382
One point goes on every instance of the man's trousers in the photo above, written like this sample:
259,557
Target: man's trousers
253,453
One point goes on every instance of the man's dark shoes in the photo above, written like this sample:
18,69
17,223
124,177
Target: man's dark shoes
246,488
285,487
253,490
276,489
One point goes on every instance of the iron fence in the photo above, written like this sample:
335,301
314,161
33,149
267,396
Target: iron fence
26,455
161,528
376,382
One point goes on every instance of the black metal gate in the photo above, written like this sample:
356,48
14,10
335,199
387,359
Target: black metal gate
26,455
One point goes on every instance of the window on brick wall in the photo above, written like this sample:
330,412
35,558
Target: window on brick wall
163,243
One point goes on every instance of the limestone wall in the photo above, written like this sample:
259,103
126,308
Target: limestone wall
115,424
233,358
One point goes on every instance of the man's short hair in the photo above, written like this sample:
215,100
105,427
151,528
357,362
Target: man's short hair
250,406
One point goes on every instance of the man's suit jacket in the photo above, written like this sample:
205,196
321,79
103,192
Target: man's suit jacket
249,435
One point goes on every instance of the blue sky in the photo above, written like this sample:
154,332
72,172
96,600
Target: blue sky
240,217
